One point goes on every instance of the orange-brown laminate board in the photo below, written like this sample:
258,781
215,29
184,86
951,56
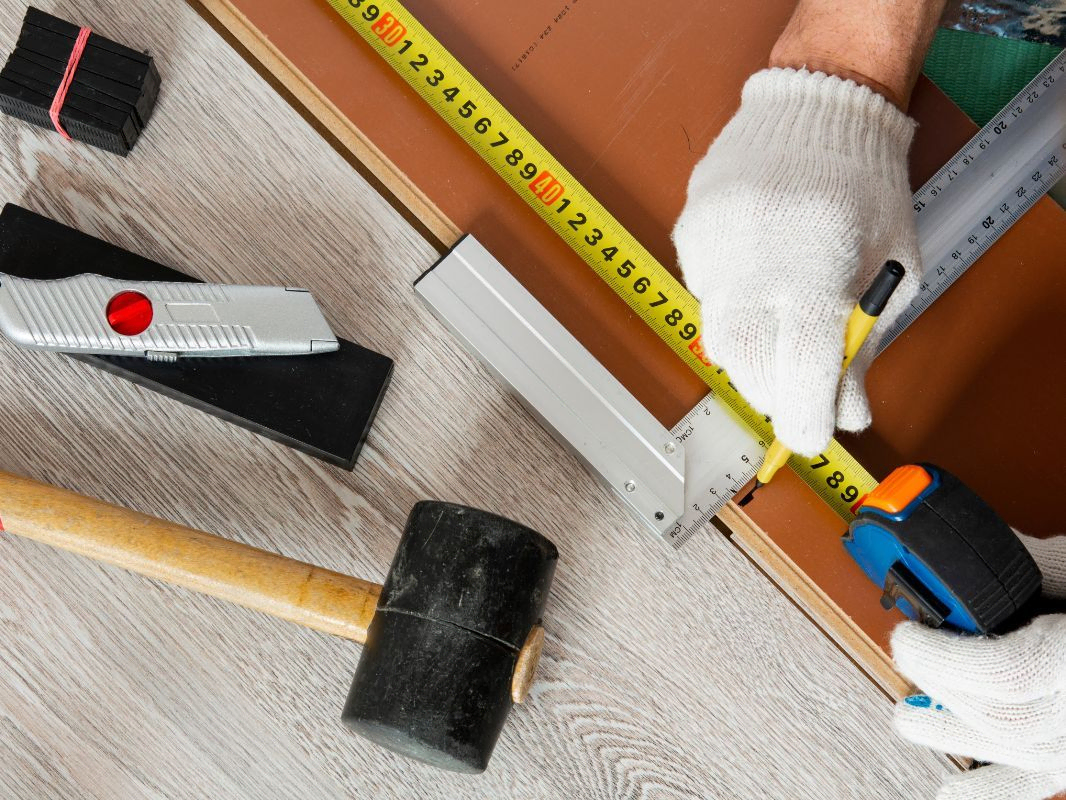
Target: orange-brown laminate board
628,96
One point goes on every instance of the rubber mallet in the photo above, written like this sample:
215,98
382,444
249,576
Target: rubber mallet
450,641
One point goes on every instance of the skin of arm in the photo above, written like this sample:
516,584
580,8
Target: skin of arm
877,43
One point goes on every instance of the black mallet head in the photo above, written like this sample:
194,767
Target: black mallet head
457,621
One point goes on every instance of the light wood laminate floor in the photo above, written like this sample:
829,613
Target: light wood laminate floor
665,675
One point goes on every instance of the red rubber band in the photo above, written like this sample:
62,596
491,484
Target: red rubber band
68,78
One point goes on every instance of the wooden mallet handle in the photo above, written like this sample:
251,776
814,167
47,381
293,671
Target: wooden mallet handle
282,587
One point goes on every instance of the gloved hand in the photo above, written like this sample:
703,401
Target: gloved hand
995,699
798,203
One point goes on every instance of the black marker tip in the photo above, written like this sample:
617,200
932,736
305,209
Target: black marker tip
750,495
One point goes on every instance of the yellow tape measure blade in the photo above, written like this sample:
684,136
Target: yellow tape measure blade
561,201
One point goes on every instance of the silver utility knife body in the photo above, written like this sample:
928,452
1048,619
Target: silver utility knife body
91,314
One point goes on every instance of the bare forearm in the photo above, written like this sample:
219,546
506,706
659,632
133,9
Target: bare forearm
878,43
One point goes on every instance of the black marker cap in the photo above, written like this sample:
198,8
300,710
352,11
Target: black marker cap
875,298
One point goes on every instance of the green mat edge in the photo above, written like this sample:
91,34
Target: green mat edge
982,73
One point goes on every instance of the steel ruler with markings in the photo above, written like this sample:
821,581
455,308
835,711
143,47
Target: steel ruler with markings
1001,172
723,439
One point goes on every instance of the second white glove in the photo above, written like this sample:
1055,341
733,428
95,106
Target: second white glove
795,207
997,699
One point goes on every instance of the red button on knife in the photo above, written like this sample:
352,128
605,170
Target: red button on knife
129,313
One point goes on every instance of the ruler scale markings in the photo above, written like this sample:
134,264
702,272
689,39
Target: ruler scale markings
627,267
1011,162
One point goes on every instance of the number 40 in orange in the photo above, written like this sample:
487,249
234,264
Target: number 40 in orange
547,188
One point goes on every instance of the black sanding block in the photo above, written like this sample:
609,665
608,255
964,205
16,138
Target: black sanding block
322,405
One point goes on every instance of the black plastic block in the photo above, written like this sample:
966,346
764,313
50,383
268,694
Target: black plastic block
92,58
110,98
42,76
18,101
41,19
141,99
106,118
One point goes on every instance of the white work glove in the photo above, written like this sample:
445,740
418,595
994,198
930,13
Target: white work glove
796,206
995,699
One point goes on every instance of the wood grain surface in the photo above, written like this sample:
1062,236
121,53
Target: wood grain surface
664,675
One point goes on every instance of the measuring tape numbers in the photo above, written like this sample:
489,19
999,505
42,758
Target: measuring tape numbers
992,181
589,229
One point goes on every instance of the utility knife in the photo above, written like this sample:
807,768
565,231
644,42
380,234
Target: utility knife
161,320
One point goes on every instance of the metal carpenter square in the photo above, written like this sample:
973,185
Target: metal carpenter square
558,380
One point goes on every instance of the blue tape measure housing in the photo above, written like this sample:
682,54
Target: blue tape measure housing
877,550
945,557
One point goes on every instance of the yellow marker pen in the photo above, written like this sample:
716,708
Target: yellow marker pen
860,323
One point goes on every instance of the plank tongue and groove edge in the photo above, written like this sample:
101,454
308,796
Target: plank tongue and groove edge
629,101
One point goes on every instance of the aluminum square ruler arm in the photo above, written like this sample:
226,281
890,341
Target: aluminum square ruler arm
668,478
558,380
